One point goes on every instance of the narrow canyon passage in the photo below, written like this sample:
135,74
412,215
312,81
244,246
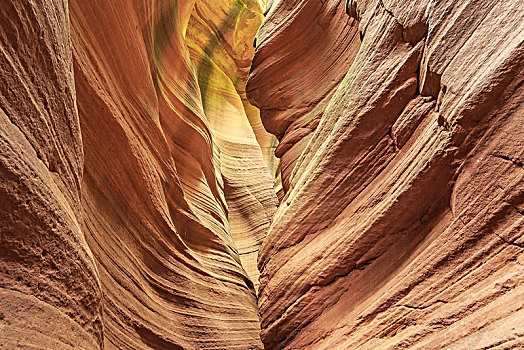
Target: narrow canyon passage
248,174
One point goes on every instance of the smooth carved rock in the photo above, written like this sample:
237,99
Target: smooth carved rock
402,226
124,202
304,50
219,38
138,186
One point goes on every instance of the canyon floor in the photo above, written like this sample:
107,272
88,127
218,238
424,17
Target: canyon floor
261,174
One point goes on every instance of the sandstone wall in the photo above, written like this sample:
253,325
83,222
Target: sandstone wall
402,225
123,207
138,183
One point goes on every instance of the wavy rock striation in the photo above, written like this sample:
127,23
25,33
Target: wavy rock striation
134,196
138,185
219,38
402,225
300,60
51,295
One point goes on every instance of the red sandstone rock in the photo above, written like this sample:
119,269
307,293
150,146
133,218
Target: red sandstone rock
118,201
219,38
135,191
403,224
50,295
304,50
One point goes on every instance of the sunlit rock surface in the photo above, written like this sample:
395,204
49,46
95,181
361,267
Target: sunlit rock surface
402,225
219,38
140,170
305,49
131,195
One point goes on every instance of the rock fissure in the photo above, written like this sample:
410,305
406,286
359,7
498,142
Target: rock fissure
423,307
516,162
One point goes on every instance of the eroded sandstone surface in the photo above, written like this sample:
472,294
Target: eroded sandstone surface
133,191
143,190
403,218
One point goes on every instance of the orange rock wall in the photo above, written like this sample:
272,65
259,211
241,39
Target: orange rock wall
138,184
295,73
120,197
220,38
402,226
50,292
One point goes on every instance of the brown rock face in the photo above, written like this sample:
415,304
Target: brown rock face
402,226
304,50
128,219
50,294
138,186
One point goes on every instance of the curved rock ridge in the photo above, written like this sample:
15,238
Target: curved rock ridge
304,50
50,294
139,185
402,226
133,196
219,38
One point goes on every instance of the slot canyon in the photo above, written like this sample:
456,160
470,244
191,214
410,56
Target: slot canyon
261,174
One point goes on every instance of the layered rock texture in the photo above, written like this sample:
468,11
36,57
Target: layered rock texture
144,152
402,134
133,192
